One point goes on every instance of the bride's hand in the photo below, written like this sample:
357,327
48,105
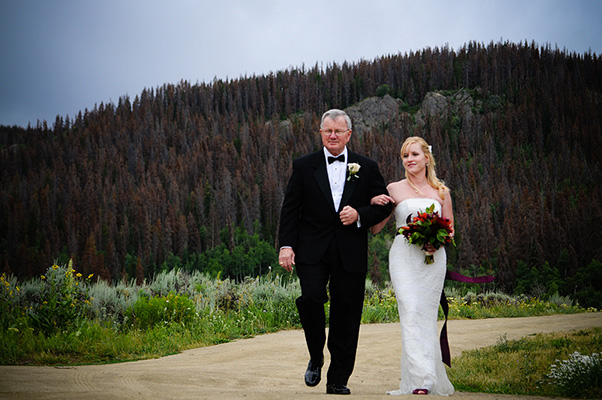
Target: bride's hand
381,200
429,248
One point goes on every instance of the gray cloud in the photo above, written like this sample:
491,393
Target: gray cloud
61,56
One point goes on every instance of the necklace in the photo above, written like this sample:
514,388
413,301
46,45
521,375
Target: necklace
419,189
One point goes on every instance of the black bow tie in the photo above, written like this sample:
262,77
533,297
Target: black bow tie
340,158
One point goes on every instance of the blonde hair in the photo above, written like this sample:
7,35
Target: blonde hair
431,175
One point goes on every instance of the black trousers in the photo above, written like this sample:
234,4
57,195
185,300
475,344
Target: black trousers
346,304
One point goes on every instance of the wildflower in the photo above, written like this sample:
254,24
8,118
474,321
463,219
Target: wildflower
90,276
43,277
79,275
571,374
55,267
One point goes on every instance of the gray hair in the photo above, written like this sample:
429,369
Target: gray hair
334,114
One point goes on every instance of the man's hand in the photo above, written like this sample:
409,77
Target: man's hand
348,215
286,258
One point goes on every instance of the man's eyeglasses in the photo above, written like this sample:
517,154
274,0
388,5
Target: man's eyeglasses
338,132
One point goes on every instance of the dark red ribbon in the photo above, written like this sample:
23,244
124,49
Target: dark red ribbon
454,276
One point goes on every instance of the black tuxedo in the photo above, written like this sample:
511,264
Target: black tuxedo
329,253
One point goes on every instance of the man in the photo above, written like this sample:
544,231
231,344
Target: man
324,222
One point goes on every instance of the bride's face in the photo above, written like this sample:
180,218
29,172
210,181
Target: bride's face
414,159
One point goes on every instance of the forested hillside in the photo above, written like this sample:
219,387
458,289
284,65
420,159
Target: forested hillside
190,174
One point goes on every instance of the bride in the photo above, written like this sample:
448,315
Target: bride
417,285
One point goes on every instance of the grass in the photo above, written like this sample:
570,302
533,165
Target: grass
522,367
64,318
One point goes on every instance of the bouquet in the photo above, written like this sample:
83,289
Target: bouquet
428,227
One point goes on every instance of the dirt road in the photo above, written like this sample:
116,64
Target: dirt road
266,367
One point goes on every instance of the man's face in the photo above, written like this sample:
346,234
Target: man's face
335,135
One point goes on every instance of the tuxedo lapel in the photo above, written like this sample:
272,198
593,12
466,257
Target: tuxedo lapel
321,175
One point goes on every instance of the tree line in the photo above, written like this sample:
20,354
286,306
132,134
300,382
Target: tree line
191,174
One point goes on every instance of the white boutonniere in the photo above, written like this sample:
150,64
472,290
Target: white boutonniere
353,169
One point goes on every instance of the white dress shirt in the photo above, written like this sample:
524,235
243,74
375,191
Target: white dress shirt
337,171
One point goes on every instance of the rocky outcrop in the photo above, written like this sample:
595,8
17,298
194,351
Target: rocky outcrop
436,104
372,112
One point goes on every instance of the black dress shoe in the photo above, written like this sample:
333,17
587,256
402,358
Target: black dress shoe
313,373
337,388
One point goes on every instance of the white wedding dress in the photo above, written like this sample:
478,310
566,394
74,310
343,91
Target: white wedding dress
418,291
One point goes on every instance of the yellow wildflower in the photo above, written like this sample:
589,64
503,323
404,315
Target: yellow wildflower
90,276
55,267
43,277
79,275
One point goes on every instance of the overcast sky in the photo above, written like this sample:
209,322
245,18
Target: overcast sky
62,56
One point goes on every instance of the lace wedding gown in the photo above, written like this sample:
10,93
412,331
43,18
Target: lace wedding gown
418,291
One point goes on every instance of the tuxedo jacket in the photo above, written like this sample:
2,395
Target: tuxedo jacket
309,221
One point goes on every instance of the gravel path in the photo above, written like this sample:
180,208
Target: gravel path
266,367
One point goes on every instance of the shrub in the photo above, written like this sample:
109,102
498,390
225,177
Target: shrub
273,300
9,299
560,300
380,305
148,312
578,377
58,301
169,281
110,302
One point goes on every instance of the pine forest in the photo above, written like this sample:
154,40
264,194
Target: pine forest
192,176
